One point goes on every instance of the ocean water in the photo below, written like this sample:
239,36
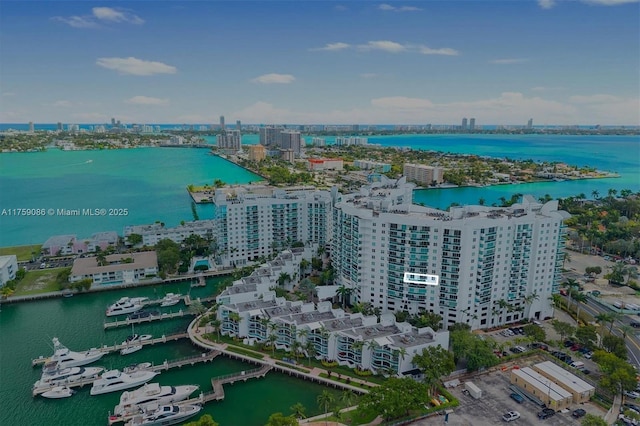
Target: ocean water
150,183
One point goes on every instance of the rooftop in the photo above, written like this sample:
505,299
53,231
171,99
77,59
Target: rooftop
89,265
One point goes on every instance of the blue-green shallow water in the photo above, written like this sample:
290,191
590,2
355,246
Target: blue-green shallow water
26,330
150,182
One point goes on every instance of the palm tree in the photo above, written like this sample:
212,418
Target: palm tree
310,349
344,292
304,264
604,318
571,285
325,400
346,398
283,278
298,410
579,298
626,330
216,323
271,339
595,194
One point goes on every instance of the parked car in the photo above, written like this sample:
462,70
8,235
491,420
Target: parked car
588,355
578,413
632,394
546,413
517,398
510,416
635,324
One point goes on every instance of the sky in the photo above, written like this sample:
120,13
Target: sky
308,62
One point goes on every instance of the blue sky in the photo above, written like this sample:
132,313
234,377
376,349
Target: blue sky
365,62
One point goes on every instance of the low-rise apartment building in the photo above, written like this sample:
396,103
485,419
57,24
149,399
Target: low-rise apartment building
8,268
127,268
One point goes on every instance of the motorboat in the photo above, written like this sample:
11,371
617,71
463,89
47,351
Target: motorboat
58,392
171,299
126,305
134,343
67,375
165,415
136,367
142,399
67,358
143,314
116,380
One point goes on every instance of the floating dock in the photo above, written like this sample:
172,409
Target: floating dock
114,348
217,394
122,323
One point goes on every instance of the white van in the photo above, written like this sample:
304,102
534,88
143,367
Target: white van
578,364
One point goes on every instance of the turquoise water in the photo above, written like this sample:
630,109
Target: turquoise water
26,330
150,182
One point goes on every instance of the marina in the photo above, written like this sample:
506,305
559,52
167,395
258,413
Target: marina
204,357
150,318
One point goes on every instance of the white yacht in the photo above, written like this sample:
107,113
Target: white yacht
65,376
126,305
137,367
152,393
171,299
115,380
67,358
165,415
58,392
134,343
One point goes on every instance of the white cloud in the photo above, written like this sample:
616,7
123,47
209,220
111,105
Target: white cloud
390,8
401,102
610,2
385,45
447,51
594,99
90,117
62,104
191,119
368,75
341,8
147,100
334,46
135,66
116,15
546,88
77,21
509,61
274,79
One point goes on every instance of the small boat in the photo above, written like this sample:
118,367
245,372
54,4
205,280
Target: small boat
58,392
67,358
165,415
126,305
115,380
134,343
67,293
143,399
171,299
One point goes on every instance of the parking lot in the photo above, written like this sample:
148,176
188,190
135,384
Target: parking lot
495,401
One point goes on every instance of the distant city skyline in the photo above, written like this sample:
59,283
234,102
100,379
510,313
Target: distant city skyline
388,62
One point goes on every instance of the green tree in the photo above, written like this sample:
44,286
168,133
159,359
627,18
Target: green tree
535,332
325,400
615,345
434,362
344,293
593,420
279,419
134,239
298,410
587,335
205,420
395,398
564,329
618,375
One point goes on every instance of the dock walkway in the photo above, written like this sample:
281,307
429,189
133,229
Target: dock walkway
114,348
204,357
122,323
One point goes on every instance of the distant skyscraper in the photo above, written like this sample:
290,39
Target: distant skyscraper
530,123
222,122
269,135
290,140
230,139
464,123
32,128
60,126
472,124
238,125
113,122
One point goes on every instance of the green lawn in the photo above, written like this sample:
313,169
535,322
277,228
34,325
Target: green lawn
23,253
41,281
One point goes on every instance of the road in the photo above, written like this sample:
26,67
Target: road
593,307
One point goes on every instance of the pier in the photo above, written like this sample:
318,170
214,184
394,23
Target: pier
217,394
121,323
109,349
204,357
